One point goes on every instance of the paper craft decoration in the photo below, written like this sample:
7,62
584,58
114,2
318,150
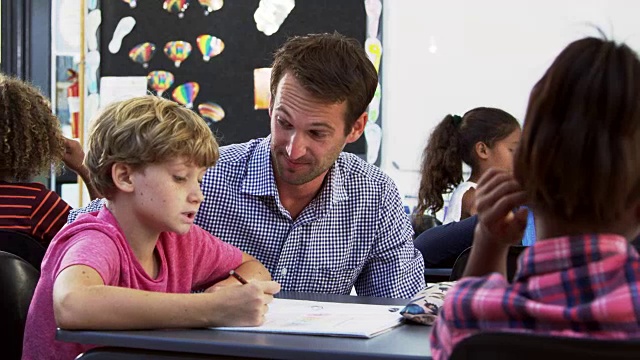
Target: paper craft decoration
211,112
93,23
177,51
373,9
373,48
326,318
261,90
176,6
160,81
211,5
209,46
186,93
124,27
143,53
271,14
93,64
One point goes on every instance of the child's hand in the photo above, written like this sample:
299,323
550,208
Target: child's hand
73,155
497,195
244,305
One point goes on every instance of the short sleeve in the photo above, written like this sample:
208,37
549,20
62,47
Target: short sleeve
213,258
95,250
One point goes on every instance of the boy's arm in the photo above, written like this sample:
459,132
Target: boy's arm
251,269
499,226
81,300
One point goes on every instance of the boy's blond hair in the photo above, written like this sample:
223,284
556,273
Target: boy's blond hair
142,131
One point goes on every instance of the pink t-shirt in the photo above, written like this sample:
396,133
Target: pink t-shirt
188,262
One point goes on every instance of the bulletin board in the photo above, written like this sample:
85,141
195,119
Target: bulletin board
226,80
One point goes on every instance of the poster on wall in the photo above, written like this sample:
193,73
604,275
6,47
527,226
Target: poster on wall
214,56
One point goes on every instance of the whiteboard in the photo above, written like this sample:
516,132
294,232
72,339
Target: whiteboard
445,57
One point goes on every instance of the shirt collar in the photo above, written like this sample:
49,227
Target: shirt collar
260,180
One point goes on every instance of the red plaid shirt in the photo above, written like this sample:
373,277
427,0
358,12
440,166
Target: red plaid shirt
578,286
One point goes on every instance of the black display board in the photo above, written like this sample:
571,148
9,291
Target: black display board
226,79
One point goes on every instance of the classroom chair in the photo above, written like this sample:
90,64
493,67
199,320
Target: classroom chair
18,281
512,262
22,245
521,346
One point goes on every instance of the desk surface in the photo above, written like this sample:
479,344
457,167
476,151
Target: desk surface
404,342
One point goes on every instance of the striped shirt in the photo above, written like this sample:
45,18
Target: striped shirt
33,209
578,286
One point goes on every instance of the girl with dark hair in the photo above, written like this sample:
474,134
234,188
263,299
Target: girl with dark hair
578,169
482,138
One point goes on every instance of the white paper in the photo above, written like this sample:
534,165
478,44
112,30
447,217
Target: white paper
117,88
326,318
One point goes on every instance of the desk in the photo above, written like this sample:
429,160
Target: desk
407,342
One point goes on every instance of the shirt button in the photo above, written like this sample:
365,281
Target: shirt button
283,271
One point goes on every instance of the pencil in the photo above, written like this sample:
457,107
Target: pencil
238,277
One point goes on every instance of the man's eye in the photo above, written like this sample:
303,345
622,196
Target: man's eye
284,124
318,134
179,178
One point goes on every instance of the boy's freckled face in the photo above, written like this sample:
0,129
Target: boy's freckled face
168,195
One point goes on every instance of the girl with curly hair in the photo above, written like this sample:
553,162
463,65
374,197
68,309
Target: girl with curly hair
31,143
482,138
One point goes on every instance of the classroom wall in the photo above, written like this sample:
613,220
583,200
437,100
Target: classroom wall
445,57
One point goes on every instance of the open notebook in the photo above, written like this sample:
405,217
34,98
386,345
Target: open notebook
326,318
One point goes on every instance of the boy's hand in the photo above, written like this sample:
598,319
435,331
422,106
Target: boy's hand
244,305
497,195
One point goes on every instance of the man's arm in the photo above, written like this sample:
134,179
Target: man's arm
94,205
395,268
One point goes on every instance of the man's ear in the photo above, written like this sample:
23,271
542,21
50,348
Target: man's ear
482,150
121,175
358,128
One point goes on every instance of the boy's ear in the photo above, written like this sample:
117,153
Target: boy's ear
121,177
482,150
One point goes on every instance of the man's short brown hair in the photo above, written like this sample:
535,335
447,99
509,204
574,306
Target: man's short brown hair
332,67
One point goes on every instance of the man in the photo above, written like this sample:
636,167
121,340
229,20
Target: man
319,219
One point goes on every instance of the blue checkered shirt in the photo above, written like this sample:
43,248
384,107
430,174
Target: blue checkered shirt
353,233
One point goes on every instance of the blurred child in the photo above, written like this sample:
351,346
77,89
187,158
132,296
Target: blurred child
31,145
482,138
134,263
578,168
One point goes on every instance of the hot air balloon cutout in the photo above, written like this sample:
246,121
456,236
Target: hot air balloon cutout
132,3
186,93
211,5
177,51
211,112
176,6
142,53
160,81
209,46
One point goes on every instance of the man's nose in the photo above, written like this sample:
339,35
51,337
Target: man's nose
296,148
